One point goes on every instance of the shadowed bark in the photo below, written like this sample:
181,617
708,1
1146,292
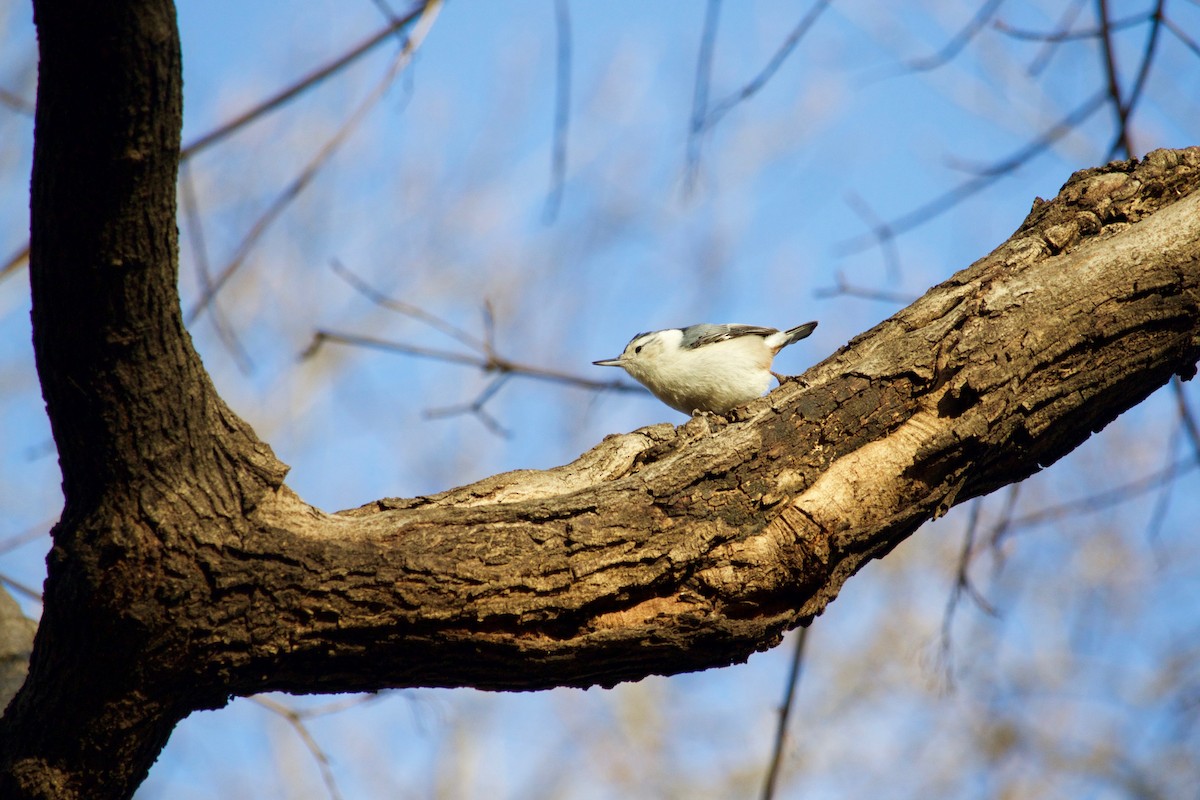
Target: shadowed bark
184,571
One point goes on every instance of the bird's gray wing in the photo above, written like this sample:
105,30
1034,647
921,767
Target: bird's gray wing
706,333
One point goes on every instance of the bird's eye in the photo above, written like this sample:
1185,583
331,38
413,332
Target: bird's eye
638,349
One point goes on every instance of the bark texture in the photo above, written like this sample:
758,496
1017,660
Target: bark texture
184,571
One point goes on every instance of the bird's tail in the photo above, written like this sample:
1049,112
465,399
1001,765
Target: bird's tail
797,333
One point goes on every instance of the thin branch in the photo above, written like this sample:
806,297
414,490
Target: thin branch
722,108
21,588
785,711
883,233
696,127
407,309
1046,52
1162,503
1190,427
307,82
1139,84
960,40
1122,143
1109,498
1184,39
1065,34
16,103
494,363
15,261
1004,525
562,109
962,586
295,720
476,408
25,537
195,229
276,208
986,177
842,288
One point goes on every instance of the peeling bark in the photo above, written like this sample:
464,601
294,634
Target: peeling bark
184,571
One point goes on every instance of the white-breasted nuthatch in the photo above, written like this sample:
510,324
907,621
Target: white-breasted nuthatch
706,367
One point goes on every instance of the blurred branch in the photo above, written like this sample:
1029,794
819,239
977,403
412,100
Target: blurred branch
484,356
195,228
962,586
1065,34
784,712
562,109
1123,141
696,127
1048,49
760,80
307,82
704,118
1110,497
986,177
1181,35
488,362
842,288
296,721
887,240
15,261
407,309
960,40
21,588
278,100
322,157
16,103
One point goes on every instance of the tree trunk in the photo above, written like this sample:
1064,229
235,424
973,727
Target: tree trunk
183,571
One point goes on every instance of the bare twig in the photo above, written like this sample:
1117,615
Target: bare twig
195,228
1186,417
1046,52
1109,498
962,586
492,363
562,109
986,177
841,288
722,108
1184,39
281,202
960,40
696,127
21,588
16,103
1123,140
31,534
296,721
1111,70
15,261
887,240
307,82
484,355
1064,33
407,309
785,711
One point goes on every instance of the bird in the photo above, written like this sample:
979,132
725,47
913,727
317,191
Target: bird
706,367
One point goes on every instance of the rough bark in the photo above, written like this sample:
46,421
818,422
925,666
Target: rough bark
184,571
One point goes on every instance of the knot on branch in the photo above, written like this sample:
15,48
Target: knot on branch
1103,200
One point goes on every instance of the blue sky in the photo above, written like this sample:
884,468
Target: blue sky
438,198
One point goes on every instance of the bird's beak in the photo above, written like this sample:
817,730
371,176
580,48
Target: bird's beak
610,362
